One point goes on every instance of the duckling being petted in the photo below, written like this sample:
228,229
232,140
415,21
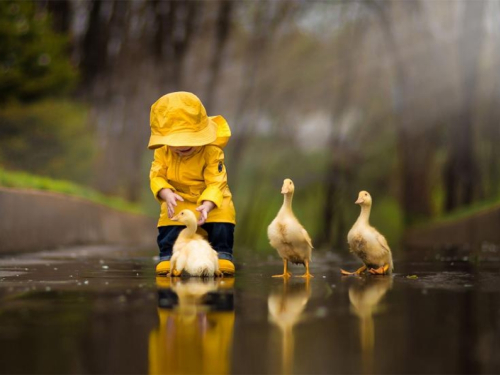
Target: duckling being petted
367,243
288,236
192,253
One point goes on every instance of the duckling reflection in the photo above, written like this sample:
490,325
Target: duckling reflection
365,296
286,307
195,330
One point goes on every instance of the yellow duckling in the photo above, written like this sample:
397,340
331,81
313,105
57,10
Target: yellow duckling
367,243
288,236
191,252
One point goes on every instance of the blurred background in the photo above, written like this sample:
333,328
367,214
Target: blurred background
399,98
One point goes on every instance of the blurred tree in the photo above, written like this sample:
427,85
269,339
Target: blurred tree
60,11
342,161
222,31
461,174
176,23
414,140
33,58
266,18
94,49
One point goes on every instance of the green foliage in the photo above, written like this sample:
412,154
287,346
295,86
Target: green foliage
256,191
387,217
34,60
48,138
29,181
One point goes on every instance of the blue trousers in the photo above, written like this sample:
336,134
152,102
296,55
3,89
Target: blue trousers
220,236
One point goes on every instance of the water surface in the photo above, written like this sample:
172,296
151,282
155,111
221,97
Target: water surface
102,310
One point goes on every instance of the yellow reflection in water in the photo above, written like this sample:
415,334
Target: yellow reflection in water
286,307
195,331
365,296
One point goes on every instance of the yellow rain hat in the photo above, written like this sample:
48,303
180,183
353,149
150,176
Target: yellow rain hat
180,119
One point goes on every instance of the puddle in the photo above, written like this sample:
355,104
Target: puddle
104,311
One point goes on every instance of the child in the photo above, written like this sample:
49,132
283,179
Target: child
188,172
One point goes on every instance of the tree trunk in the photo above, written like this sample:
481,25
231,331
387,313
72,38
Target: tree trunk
415,153
462,175
265,22
95,44
222,30
61,15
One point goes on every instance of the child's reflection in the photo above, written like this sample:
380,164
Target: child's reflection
286,306
195,331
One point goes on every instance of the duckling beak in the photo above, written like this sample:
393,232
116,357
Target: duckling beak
284,190
359,201
175,218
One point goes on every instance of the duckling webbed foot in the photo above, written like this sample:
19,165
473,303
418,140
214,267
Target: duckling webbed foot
285,270
380,271
307,274
359,271
287,274
176,273
218,274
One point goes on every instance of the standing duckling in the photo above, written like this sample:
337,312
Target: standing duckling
367,243
288,236
191,252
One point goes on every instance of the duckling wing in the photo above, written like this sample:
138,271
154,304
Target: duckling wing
307,238
383,242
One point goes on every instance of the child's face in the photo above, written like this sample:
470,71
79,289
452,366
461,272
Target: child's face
183,150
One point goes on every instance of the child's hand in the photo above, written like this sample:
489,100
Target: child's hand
171,198
204,209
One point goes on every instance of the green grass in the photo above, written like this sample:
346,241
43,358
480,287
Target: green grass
463,212
24,180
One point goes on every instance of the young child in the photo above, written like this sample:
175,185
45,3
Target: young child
188,172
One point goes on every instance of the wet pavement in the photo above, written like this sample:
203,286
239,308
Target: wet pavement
101,310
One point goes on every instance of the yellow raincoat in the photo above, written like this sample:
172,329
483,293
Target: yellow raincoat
197,177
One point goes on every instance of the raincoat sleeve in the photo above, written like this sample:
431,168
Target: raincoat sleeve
158,174
215,177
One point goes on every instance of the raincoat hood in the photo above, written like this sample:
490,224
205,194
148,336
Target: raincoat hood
180,119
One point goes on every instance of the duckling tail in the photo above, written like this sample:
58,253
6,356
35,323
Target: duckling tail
201,268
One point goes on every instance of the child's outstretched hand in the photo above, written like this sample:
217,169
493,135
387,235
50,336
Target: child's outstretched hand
204,209
171,198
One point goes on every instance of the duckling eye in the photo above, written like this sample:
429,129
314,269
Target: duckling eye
366,195
182,213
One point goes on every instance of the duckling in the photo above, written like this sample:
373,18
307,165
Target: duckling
288,236
367,243
191,251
